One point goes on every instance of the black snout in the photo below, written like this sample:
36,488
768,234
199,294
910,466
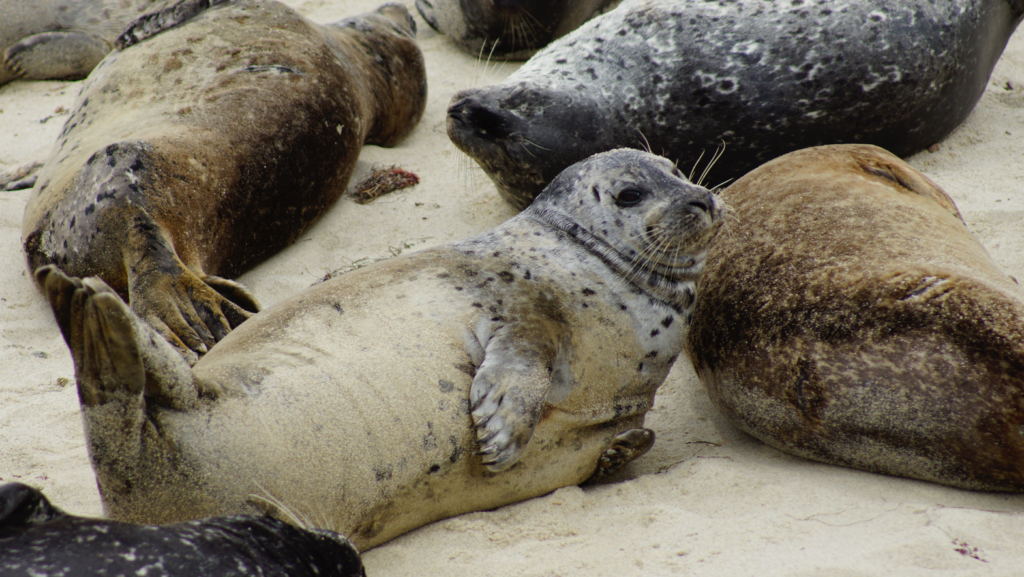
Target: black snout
484,121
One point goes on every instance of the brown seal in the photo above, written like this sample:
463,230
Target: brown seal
199,151
850,317
460,378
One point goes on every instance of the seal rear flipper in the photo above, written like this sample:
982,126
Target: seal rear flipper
118,357
155,22
51,55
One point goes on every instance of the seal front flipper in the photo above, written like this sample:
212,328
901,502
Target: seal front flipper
625,447
191,314
155,22
508,393
68,55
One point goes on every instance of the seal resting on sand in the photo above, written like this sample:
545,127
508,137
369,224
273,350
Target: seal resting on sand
456,379
850,317
508,29
39,539
199,151
61,39
681,78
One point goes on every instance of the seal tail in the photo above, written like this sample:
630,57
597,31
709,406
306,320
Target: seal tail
121,365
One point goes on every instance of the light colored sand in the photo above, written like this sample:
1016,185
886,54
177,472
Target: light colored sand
707,500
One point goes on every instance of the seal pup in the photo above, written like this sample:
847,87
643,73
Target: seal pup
39,539
681,78
197,152
850,317
460,378
508,29
61,39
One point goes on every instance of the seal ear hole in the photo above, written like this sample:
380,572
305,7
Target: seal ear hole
597,195
630,197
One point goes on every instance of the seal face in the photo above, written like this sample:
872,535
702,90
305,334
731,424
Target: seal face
456,379
40,539
508,29
682,78
851,318
198,151
61,39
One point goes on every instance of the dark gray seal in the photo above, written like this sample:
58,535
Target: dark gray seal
682,78
851,318
508,29
460,378
198,151
38,539
61,39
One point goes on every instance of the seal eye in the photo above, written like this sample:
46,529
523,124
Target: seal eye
629,197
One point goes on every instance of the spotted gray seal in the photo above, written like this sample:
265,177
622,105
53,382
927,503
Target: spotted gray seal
851,318
682,77
39,539
455,379
508,29
198,151
61,39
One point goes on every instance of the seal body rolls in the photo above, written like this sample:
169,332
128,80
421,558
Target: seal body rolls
508,29
198,151
39,539
851,318
682,78
456,379
61,39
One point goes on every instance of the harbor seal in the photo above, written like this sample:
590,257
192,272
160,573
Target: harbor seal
850,317
198,151
460,378
508,29
681,78
39,539
61,39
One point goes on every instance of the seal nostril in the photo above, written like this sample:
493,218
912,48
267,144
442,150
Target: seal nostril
701,205
481,119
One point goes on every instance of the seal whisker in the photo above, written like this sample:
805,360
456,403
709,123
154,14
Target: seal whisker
718,154
284,512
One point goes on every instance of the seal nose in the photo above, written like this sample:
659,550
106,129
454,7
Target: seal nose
474,114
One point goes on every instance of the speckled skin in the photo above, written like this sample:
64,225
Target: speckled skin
61,39
508,29
38,540
456,379
681,78
851,318
199,151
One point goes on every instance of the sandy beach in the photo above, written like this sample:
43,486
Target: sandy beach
707,500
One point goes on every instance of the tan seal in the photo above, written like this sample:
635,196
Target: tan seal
61,39
456,379
850,317
200,150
